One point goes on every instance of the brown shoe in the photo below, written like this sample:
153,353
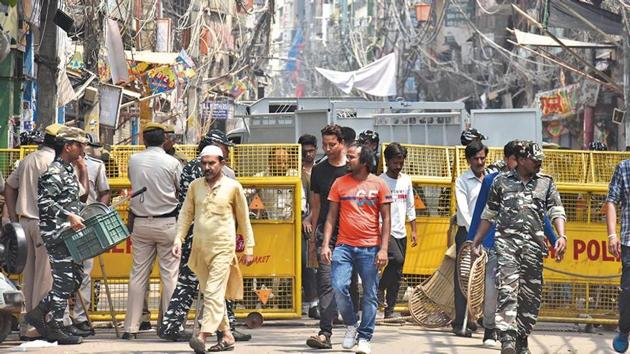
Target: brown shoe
319,342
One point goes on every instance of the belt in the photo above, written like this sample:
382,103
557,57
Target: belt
172,214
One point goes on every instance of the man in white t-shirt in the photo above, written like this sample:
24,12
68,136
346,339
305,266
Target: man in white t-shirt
402,210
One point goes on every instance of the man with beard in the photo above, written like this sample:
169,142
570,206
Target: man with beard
216,205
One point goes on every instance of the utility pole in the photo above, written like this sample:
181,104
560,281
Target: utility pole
47,68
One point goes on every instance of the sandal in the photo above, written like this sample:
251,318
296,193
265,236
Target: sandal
198,346
222,346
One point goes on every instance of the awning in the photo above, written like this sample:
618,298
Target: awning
561,15
148,56
525,38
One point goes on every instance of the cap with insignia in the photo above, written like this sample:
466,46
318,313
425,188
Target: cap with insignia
72,134
53,129
153,126
530,150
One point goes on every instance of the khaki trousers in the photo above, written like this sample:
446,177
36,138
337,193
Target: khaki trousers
37,278
213,282
150,237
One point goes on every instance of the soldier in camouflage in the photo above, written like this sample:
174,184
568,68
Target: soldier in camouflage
517,203
59,207
172,327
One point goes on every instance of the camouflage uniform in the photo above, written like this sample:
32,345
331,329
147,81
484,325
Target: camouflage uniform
518,209
187,284
59,196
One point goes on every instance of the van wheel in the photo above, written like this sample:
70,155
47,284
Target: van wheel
5,325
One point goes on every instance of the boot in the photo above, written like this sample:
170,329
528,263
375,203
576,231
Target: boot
35,318
521,345
55,333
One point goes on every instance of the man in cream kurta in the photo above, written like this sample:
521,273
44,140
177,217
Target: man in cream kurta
217,205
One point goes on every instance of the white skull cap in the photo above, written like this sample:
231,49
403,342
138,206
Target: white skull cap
211,150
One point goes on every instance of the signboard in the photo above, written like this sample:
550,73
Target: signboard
561,102
110,100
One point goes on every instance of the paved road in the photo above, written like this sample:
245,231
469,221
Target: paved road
290,336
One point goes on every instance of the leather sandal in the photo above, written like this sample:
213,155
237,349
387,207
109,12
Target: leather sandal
222,346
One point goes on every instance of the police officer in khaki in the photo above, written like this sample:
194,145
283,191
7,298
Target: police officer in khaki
21,200
154,222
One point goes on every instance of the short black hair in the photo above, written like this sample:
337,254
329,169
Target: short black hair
50,141
349,135
510,148
367,156
307,139
333,129
395,150
153,137
473,149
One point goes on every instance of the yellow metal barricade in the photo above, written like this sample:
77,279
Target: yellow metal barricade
8,158
270,175
581,288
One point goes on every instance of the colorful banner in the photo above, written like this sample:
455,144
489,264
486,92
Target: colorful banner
561,102
161,79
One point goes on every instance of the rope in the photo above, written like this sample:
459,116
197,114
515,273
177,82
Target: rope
612,276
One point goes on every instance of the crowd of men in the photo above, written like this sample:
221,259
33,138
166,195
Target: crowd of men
355,234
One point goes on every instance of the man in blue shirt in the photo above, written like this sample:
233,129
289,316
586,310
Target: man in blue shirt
618,195
490,296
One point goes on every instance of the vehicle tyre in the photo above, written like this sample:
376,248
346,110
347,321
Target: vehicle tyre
6,321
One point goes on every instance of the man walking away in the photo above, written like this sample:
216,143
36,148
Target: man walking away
358,199
154,226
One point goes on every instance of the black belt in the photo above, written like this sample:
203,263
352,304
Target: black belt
172,214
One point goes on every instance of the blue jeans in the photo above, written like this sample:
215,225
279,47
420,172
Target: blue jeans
363,260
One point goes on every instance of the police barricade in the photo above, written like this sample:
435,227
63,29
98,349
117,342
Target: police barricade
270,175
582,288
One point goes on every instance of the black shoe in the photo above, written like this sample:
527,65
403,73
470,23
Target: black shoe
316,342
55,333
472,326
508,347
521,345
85,326
29,339
35,318
490,338
177,337
313,312
128,336
240,336
458,332
75,331
145,326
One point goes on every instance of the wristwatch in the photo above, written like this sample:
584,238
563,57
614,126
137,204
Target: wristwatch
564,237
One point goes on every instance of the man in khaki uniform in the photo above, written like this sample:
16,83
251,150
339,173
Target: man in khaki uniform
154,222
21,199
